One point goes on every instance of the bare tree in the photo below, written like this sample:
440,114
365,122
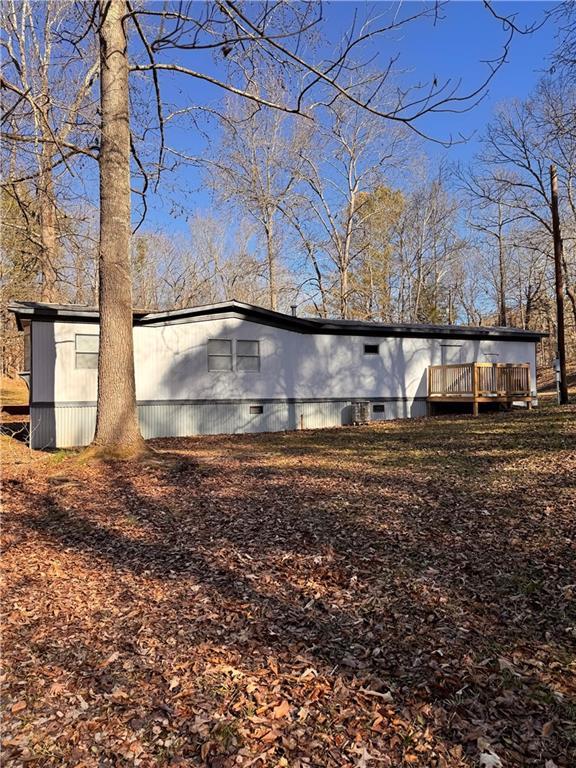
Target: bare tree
256,171
215,263
564,55
429,247
348,159
47,109
520,144
490,221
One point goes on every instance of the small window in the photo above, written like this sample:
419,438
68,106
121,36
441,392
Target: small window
378,408
371,349
256,409
247,355
219,355
86,347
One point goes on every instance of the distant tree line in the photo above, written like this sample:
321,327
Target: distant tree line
343,219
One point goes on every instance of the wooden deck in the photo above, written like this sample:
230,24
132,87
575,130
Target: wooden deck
477,383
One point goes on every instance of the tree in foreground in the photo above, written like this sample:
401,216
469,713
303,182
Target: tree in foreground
117,429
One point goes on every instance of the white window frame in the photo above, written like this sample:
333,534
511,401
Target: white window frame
452,345
256,357
219,355
234,356
93,354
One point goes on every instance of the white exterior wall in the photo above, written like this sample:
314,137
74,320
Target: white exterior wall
171,363
179,396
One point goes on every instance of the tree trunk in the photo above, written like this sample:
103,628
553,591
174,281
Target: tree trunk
528,312
502,320
117,430
48,238
560,335
45,191
344,255
271,258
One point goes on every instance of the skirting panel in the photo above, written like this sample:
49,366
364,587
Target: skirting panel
72,425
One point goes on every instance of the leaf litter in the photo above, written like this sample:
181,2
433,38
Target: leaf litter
395,595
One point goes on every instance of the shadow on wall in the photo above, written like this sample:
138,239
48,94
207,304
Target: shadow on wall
301,368
43,427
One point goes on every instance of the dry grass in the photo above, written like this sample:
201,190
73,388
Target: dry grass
547,383
13,392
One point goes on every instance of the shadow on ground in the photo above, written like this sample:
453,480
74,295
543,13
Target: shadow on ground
430,564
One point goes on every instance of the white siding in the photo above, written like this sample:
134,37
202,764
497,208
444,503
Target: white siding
171,364
304,380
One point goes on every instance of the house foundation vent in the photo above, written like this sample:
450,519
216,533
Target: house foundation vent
360,412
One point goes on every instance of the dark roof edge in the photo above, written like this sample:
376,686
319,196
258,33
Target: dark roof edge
235,309
52,312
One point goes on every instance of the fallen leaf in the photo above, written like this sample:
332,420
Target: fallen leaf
110,660
490,760
282,710
18,706
386,697
136,748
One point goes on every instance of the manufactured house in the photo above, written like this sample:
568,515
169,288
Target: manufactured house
233,367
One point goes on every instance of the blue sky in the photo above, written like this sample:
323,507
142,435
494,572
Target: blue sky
453,47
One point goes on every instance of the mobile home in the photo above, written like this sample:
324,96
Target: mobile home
234,367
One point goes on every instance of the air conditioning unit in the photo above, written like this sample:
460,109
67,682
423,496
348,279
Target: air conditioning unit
360,412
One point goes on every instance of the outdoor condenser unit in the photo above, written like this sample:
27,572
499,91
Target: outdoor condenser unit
360,412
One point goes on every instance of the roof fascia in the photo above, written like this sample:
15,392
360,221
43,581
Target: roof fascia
237,310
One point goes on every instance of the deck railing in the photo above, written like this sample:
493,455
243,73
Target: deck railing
474,380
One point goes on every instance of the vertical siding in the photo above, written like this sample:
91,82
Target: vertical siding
61,427
68,426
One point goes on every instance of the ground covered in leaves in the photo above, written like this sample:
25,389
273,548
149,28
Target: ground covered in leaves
402,594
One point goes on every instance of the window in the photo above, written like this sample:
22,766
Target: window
378,408
219,355
371,349
256,409
451,354
86,348
247,355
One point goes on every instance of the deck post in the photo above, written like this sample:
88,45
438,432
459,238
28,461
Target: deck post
475,387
